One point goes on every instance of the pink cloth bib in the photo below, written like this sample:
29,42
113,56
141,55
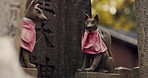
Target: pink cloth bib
28,36
92,43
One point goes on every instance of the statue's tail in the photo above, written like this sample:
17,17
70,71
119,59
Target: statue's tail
107,40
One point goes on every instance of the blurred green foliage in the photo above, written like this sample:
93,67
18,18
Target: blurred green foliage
117,14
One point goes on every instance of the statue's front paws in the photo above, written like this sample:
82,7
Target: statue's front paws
89,69
80,70
29,65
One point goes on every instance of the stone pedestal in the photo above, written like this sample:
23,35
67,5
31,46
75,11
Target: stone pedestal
124,72
135,72
96,75
31,71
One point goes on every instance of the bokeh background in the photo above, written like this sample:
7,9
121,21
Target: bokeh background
118,17
117,14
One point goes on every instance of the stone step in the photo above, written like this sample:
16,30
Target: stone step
96,75
31,71
124,72
135,72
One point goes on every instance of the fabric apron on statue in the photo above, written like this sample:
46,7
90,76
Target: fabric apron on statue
28,36
92,43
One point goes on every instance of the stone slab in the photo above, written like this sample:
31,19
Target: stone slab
135,72
31,71
96,75
124,72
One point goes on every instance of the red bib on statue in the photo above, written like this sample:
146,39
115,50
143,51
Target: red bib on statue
28,37
92,43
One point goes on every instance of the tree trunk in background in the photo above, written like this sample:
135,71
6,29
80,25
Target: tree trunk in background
142,28
58,52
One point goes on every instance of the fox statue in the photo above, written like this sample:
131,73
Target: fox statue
96,46
33,16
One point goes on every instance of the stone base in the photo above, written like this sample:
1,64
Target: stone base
96,75
31,71
124,72
135,72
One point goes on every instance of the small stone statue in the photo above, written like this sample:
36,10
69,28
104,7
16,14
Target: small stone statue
96,46
28,38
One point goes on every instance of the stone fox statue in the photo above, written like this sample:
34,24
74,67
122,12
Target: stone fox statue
96,46
28,38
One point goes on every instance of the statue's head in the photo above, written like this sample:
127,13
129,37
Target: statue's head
91,24
35,13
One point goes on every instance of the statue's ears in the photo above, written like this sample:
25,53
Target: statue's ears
32,3
35,4
86,17
96,18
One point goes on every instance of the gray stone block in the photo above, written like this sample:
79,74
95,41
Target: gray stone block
124,72
135,72
31,71
96,75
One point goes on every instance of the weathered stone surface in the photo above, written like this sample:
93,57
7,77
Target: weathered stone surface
124,72
96,75
135,72
141,10
31,71
59,45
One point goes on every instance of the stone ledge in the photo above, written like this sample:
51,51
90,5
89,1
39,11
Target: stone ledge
96,75
31,71
124,72
135,72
